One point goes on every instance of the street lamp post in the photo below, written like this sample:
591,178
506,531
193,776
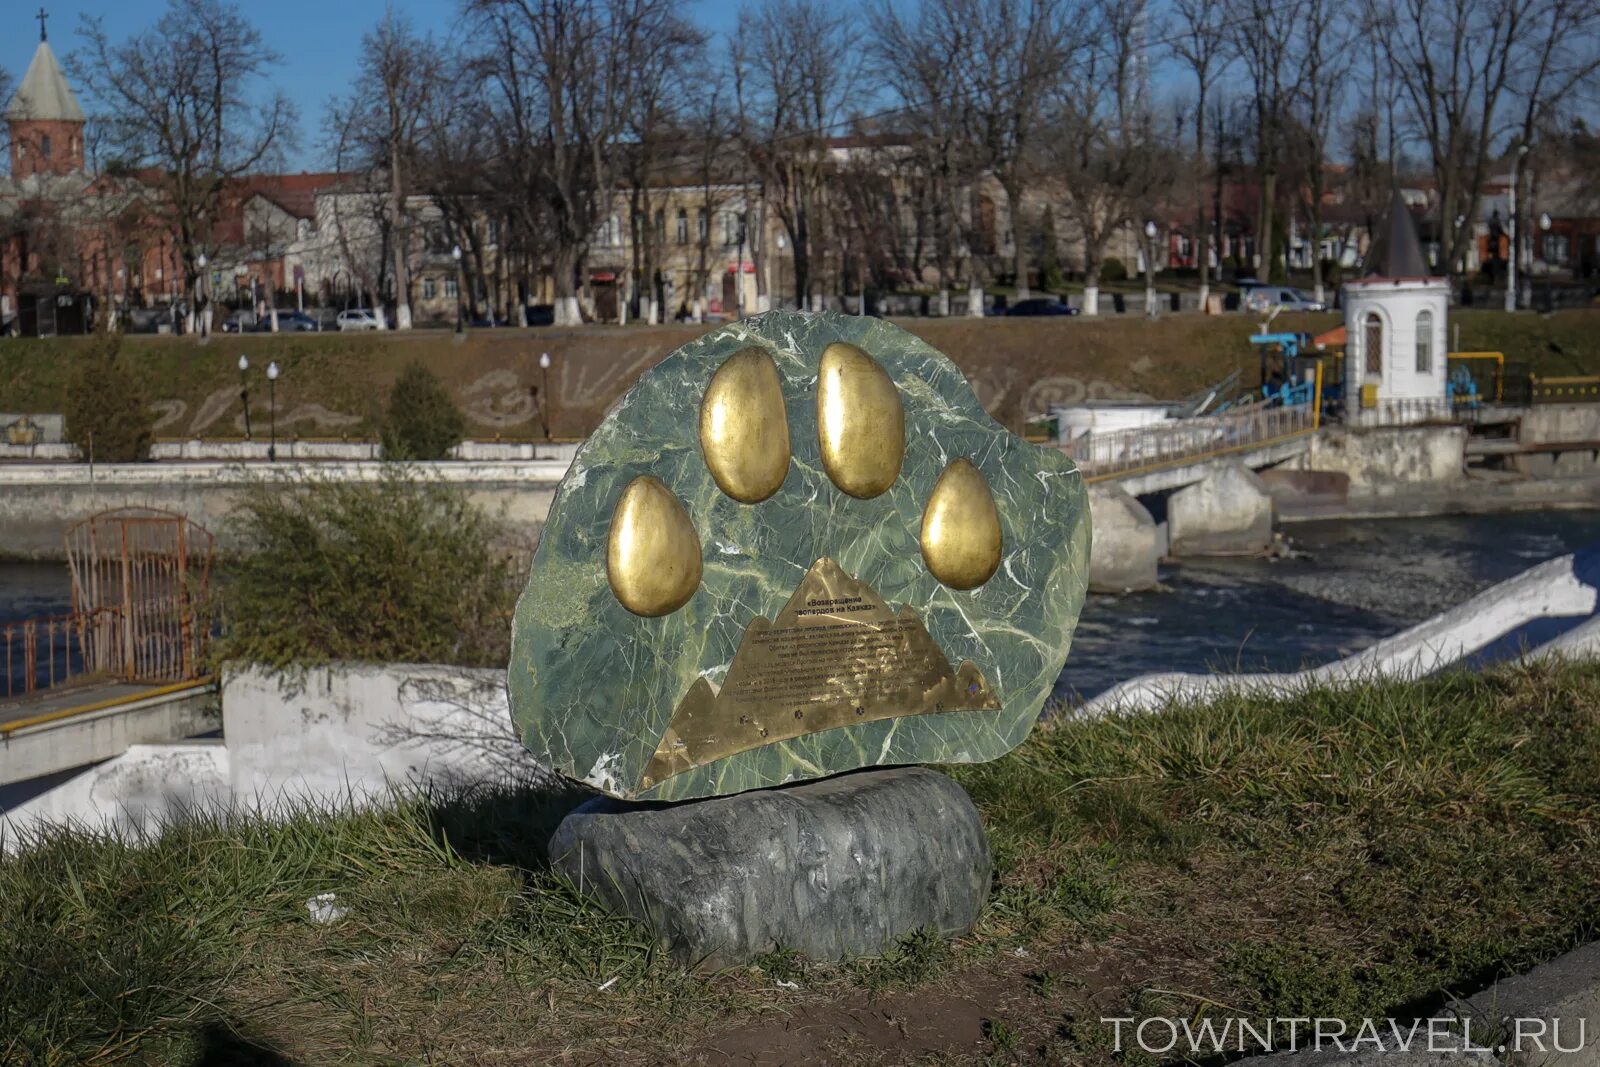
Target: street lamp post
1511,267
1150,268
272,382
738,271
244,395
455,254
201,297
544,393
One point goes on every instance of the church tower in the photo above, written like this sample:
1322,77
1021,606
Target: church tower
44,117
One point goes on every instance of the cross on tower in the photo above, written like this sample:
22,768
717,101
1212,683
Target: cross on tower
41,16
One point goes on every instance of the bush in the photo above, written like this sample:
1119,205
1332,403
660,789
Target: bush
1113,269
423,423
107,414
393,571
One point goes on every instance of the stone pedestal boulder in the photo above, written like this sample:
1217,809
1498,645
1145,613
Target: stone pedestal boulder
1229,513
832,868
1126,545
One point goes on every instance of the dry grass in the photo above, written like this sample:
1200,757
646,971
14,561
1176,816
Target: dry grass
1017,365
1341,853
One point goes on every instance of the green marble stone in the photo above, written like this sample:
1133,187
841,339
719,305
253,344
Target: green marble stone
593,687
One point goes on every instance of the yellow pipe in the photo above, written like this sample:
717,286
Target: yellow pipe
1316,401
128,698
1499,372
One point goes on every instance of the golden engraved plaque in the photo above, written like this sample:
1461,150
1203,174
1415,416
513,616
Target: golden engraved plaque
836,655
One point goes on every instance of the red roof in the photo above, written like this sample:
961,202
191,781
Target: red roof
295,193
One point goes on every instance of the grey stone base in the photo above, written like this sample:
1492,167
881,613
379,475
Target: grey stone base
836,868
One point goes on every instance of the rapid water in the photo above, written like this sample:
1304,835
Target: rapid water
1357,582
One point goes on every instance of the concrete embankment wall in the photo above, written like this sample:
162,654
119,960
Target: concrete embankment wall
346,734
39,502
1559,424
1549,608
1388,459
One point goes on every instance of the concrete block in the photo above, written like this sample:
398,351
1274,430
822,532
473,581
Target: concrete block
1127,542
1229,513
1551,1015
1574,463
1559,423
355,731
1379,458
833,868
1535,464
1292,486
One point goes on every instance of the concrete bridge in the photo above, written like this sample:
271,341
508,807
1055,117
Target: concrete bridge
1170,455
73,726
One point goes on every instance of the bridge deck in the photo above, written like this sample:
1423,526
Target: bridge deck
83,724
64,701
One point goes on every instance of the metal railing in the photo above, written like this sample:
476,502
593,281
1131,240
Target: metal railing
1181,441
1417,411
53,650
1576,389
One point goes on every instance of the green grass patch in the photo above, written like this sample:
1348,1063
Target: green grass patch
397,570
1341,853
335,384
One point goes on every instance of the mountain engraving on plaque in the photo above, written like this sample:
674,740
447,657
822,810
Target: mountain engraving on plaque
835,656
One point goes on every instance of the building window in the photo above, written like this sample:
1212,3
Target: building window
661,227
1372,343
730,228
1555,248
44,146
450,288
702,225
683,226
430,288
1424,342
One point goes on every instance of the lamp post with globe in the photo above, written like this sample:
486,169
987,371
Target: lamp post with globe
244,394
455,254
272,382
1150,232
544,393
201,298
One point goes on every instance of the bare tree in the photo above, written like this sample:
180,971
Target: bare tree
1018,54
1326,52
674,116
1103,144
1265,38
380,128
1199,42
922,59
1473,74
568,71
797,75
176,98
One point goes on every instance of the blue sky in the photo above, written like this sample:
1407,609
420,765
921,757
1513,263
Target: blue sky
319,40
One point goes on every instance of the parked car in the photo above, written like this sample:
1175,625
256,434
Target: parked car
1267,297
1041,305
288,322
358,319
541,314
241,321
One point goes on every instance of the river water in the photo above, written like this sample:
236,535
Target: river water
1355,583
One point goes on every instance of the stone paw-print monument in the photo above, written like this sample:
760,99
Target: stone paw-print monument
797,547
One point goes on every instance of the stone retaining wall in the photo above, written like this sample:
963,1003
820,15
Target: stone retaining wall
38,503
